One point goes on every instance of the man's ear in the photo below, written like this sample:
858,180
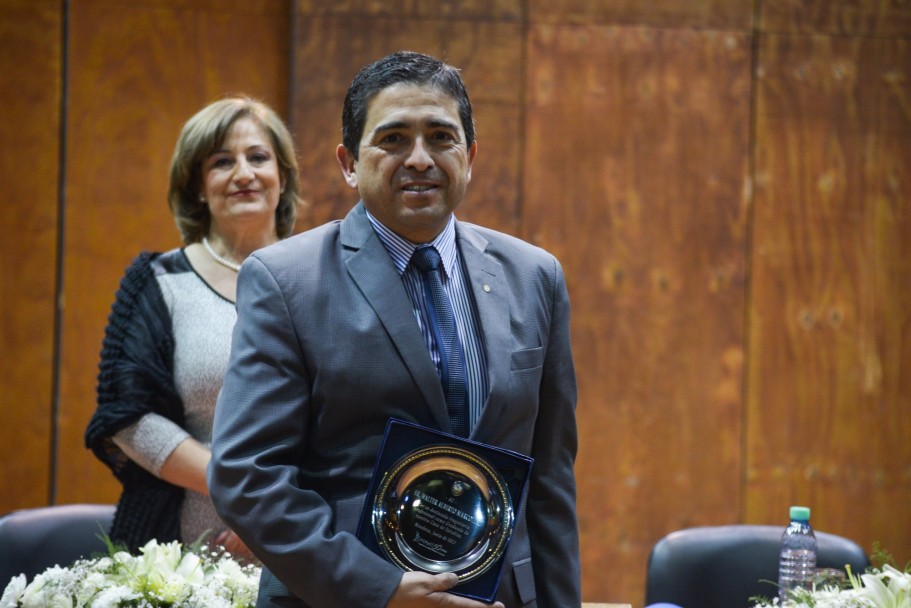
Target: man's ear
472,151
348,165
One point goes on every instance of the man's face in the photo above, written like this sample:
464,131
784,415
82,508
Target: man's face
414,165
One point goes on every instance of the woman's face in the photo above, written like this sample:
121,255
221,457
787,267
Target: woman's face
242,181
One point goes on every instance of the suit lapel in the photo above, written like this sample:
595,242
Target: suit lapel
372,270
491,296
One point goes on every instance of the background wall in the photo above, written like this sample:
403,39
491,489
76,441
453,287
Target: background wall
727,182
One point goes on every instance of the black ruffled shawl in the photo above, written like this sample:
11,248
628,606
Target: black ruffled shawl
135,378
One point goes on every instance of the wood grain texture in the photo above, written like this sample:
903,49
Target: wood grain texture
890,18
138,70
705,14
30,45
460,10
740,281
637,149
829,333
329,53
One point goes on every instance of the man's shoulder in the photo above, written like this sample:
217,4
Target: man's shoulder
294,246
499,243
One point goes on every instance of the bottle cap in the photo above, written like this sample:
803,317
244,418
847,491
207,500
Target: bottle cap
800,513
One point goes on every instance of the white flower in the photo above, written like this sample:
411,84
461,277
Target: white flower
13,591
898,581
191,569
205,597
159,560
164,575
39,592
113,597
889,588
886,588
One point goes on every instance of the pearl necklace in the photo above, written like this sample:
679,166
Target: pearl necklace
227,263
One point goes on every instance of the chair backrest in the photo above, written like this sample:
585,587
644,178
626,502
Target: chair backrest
32,540
724,566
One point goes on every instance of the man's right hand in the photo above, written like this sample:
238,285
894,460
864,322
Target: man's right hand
422,590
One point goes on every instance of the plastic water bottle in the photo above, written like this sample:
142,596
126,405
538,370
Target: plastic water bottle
797,555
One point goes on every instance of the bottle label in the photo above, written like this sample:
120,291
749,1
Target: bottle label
797,569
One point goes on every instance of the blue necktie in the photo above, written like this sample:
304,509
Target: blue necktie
443,327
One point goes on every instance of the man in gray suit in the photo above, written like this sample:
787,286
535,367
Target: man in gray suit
334,337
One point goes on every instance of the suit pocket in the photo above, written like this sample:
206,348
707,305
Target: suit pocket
525,580
529,358
348,513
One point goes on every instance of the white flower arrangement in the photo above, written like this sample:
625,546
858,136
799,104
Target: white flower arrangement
161,576
885,587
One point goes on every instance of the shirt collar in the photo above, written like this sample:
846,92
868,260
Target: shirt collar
400,249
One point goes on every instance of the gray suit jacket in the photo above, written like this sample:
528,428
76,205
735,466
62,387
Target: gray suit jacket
326,349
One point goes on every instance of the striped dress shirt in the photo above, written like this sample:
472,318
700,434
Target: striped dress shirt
456,287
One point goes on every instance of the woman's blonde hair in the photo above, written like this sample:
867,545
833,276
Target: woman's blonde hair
205,133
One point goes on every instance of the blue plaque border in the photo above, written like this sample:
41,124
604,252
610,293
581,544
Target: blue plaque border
402,438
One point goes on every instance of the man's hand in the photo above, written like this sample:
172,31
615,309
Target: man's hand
422,590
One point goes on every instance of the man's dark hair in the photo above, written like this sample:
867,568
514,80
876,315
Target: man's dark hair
399,67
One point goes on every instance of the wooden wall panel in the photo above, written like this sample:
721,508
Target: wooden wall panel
838,17
637,148
704,14
460,10
138,70
614,133
30,45
331,49
829,333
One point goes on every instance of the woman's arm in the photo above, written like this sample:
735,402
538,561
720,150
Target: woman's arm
186,466
166,450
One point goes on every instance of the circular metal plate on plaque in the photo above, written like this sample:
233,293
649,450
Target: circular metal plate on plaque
443,509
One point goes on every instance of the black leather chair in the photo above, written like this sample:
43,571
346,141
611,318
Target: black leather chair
32,540
724,566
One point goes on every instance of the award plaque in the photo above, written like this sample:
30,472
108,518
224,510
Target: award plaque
440,503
